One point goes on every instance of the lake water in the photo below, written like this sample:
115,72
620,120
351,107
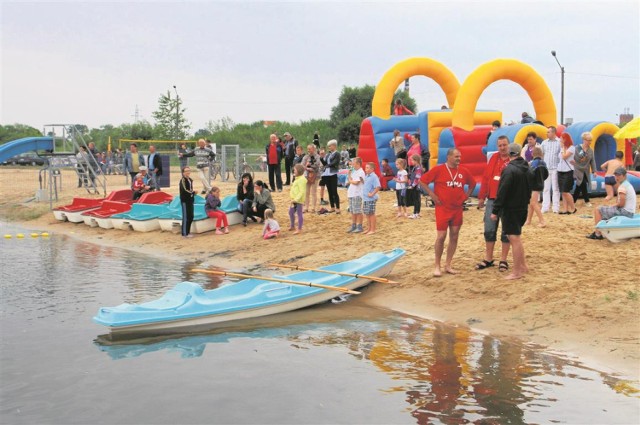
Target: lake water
345,363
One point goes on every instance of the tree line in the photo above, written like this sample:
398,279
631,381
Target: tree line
171,123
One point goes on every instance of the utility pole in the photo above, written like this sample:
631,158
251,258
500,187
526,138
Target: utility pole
553,53
177,113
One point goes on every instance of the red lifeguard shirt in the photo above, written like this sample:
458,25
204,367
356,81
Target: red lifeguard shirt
491,176
448,184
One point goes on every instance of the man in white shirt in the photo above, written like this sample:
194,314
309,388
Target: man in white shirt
625,204
551,149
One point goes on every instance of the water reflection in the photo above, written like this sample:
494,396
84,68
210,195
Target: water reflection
448,374
436,373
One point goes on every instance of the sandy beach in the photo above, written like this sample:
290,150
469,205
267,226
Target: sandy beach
581,296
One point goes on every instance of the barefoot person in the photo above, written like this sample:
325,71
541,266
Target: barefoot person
449,196
511,205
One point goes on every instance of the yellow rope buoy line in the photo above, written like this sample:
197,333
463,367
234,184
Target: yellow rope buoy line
21,235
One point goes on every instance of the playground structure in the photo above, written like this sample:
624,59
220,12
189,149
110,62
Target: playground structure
465,128
62,142
59,147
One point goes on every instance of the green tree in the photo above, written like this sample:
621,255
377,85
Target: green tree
17,131
141,130
354,105
171,122
202,133
352,100
349,128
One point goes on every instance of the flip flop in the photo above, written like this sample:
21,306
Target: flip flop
503,266
484,264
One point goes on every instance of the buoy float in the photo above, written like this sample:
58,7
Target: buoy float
19,235
8,236
35,235
44,234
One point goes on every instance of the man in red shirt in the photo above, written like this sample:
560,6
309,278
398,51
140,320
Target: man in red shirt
449,196
488,191
274,156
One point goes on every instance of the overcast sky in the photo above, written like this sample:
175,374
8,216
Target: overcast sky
92,63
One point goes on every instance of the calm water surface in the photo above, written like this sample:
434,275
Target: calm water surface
344,363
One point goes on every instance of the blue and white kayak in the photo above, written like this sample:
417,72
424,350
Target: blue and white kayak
188,307
619,228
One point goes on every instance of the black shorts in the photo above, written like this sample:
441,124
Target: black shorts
565,181
323,181
512,221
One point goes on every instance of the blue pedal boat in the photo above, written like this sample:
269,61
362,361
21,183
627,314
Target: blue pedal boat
172,221
144,217
619,229
188,307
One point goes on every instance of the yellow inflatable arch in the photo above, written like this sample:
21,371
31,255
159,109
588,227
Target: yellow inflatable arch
390,81
503,69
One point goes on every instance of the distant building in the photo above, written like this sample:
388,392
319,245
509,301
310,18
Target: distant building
625,117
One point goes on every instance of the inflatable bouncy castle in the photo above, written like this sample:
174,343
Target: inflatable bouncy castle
465,128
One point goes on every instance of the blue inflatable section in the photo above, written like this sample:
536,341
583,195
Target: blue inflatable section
445,142
510,131
604,147
383,132
27,144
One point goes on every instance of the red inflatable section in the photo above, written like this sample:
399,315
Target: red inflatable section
470,144
367,145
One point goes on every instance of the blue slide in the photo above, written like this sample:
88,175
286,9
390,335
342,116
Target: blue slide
27,144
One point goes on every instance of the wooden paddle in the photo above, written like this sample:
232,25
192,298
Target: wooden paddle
273,279
356,275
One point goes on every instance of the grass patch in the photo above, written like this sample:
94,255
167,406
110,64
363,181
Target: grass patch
21,212
632,295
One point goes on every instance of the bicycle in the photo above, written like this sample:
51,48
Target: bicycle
215,169
244,168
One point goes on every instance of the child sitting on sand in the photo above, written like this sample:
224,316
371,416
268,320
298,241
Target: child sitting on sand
297,193
271,227
212,203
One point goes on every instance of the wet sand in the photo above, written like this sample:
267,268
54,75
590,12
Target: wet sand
581,296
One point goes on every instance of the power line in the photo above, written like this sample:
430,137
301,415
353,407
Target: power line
255,102
603,75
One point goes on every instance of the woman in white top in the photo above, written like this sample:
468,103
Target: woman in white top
565,173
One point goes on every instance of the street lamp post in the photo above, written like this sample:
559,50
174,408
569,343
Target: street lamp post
177,113
553,53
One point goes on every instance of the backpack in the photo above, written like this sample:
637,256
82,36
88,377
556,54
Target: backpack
538,174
